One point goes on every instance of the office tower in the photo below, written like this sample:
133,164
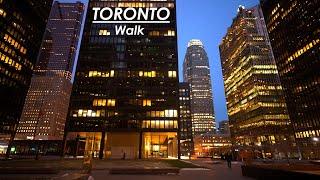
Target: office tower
125,99
196,72
293,28
46,106
186,137
22,24
224,127
256,106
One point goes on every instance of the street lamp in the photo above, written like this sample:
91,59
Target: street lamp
316,140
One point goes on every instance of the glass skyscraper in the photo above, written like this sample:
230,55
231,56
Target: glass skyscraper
294,33
196,72
22,24
125,99
46,106
256,106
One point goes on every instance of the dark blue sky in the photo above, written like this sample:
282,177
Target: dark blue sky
207,20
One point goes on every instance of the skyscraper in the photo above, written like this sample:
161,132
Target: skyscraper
293,28
224,127
196,71
186,137
256,106
22,24
46,106
125,99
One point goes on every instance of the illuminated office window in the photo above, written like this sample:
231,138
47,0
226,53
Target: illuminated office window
146,102
104,32
2,12
99,102
111,102
172,74
170,33
150,74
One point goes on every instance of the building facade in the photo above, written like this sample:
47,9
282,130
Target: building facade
46,106
293,28
224,127
186,137
256,106
125,99
22,24
196,71
212,145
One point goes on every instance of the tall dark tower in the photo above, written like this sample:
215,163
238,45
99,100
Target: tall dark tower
125,94
293,28
46,106
196,71
186,136
22,24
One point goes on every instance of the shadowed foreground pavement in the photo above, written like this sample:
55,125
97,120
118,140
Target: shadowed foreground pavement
216,171
70,169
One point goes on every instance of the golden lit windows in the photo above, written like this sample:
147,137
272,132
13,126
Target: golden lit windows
10,62
111,102
131,4
170,33
154,33
165,113
101,74
172,74
2,12
171,113
93,113
304,49
146,102
104,32
150,74
14,43
99,102
166,33
104,102
157,124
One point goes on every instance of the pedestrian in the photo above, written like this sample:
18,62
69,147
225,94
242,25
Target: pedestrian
124,156
90,178
229,159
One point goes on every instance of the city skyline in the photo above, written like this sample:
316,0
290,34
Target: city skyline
159,89
220,13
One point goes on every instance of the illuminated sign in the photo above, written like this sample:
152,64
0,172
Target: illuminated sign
126,16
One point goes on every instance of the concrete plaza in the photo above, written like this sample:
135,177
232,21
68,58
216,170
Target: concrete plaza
210,171
202,169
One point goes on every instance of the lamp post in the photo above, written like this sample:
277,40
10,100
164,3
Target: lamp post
315,140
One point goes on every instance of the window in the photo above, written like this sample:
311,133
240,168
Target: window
150,74
101,74
104,102
170,33
172,74
165,113
146,102
111,102
104,32
154,33
99,102
2,13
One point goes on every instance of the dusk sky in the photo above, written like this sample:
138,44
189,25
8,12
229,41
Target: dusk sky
207,20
